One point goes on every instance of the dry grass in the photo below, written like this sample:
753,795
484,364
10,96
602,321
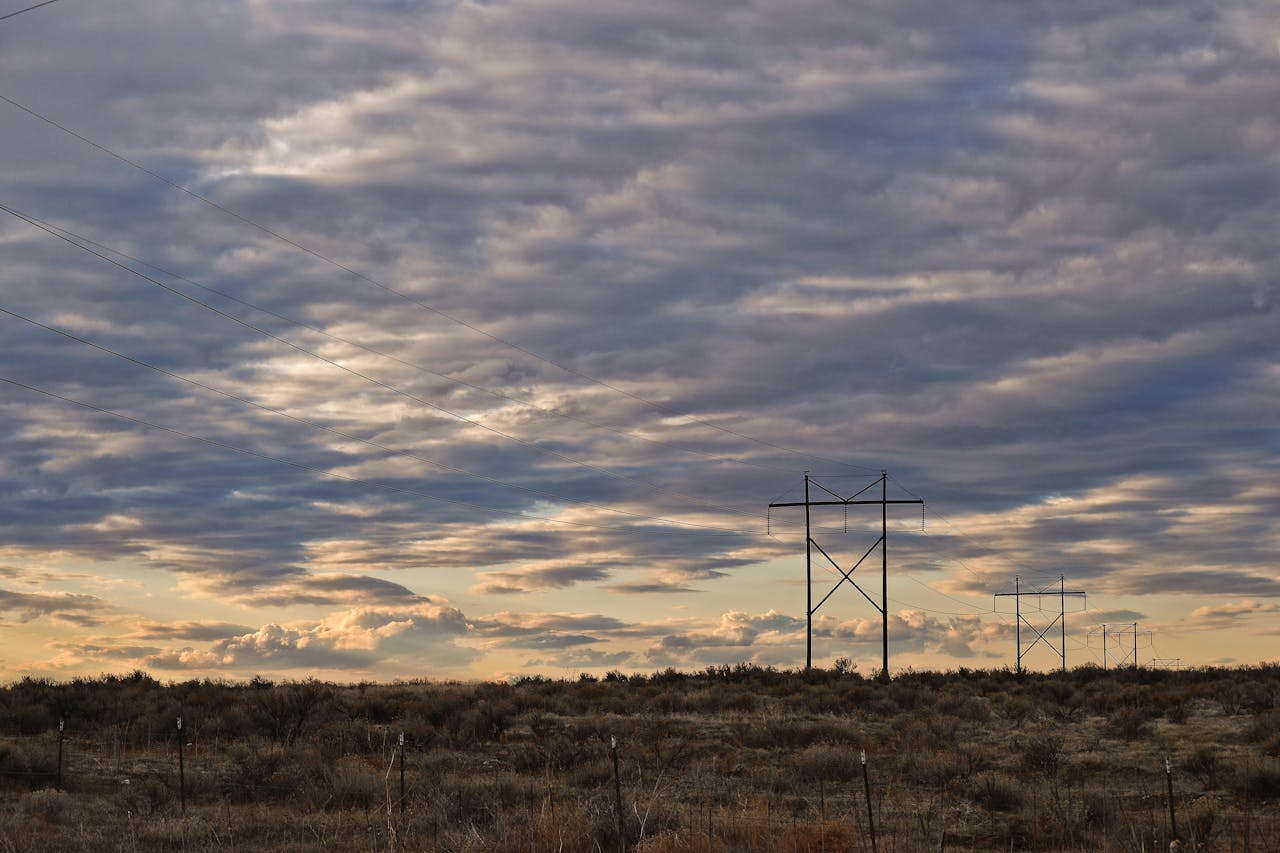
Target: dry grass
740,758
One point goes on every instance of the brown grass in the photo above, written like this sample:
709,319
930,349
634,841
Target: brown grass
736,758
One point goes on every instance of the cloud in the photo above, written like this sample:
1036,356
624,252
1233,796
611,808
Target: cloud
1234,614
324,589
343,643
1018,255
68,608
777,638
190,630
581,659
538,578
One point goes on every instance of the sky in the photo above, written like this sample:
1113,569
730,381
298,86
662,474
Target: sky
466,340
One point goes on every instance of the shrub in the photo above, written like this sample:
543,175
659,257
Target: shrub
1265,731
1019,710
352,783
1043,755
1258,781
1101,809
1128,724
46,804
829,763
996,794
251,773
1204,764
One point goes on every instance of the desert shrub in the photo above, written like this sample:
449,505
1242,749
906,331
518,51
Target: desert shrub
24,765
592,774
352,783
1128,724
783,733
1178,711
45,804
1019,710
910,697
1201,819
485,722
1231,698
282,712
1204,764
1043,754
996,794
336,738
1257,781
176,833
931,769
527,758
961,706
1262,697
1100,809
973,761
1265,732
253,773
882,706
828,762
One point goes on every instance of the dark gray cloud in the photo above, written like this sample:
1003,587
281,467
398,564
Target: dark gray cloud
71,608
193,631
1019,255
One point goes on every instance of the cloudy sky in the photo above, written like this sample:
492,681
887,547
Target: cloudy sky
466,339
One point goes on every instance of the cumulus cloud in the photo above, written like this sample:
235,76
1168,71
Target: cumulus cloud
773,637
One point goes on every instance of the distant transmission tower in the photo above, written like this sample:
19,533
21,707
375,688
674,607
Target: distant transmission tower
1127,657
1041,634
846,575
1116,637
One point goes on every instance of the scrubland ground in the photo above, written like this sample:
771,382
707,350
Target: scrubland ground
734,758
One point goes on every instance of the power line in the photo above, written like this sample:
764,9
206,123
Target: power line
28,9
386,386
414,300
936,591
345,435
333,474
933,513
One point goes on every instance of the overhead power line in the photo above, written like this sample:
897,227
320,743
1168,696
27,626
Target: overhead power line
985,577
28,9
413,300
359,481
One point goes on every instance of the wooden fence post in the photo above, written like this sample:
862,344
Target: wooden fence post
866,786
61,726
402,774
617,795
182,775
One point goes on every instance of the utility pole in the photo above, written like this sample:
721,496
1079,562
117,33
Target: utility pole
1041,634
846,575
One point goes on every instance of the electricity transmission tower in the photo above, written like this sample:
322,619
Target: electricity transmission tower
1133,630
1114,638
846,575
1041,634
